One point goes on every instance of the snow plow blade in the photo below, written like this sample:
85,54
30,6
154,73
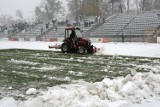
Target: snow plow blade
95,49
55,46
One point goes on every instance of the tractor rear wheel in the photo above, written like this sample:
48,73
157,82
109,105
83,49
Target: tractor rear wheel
65,48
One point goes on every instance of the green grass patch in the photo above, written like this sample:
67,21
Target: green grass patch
23,69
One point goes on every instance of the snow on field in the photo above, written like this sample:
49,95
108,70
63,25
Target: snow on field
128,49
25,45
136,90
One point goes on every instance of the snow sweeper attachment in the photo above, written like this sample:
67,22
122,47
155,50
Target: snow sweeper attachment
75,43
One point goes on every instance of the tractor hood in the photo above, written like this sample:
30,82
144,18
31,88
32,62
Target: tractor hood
84,41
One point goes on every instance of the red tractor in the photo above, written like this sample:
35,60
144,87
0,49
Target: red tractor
78,44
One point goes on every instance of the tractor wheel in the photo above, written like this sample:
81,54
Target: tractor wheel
81,50
65,48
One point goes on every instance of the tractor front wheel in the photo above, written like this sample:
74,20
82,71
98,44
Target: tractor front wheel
81,50
65,48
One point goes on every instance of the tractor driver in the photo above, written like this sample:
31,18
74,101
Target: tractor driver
73,37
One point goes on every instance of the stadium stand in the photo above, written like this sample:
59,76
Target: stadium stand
84,24
38,31
34,32
130,27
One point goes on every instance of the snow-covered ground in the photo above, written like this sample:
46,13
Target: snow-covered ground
127,49
135,90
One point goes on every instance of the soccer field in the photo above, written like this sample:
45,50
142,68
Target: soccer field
22,69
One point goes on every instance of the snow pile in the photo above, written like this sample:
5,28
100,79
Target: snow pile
31,91
120,92
8,102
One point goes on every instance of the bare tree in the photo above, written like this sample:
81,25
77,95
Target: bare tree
92,7
19,14
38,13
75,7
146,5
157,4
84,7
113,2
6,20
49,9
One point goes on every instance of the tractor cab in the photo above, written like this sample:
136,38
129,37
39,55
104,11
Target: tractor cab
68,32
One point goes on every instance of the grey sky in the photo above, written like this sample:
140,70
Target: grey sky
9,7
